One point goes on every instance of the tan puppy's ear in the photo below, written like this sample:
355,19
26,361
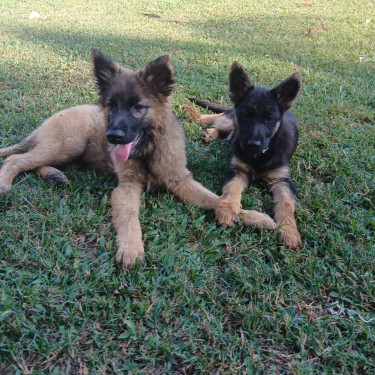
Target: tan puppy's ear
104,69
159,75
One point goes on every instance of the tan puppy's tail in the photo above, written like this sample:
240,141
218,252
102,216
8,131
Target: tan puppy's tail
20,146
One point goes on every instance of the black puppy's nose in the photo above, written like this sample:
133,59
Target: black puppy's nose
115,136
252,143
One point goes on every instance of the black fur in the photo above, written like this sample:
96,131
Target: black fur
216,108
265,130
263,135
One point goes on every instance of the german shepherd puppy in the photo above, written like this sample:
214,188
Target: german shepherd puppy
133,132
263,134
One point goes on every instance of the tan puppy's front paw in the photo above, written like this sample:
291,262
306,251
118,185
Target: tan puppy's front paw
210,135
128,254
227,213
290,236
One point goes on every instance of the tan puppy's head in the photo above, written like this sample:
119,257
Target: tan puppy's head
132,101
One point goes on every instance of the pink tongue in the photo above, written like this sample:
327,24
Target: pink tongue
122,152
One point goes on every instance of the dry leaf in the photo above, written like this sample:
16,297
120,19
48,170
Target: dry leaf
307,5
153,15
311,30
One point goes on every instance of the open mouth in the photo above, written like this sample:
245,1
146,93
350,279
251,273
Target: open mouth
124,151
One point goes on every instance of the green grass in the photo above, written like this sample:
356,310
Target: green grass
209,299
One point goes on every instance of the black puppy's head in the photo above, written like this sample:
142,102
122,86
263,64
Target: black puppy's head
132,100
259,111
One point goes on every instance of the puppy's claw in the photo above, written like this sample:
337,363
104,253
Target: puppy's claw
58,177
128,254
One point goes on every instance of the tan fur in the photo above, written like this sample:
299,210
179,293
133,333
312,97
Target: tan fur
167,169
276,175
77,132
230,202
201,119
229,208
126,199
48,173
285,206
238,164
222,125
209,135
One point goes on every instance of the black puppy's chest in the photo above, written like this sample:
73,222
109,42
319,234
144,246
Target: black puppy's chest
259,164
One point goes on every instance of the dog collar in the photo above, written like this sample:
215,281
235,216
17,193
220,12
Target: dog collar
273,134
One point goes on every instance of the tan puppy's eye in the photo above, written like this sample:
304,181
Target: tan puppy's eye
111,103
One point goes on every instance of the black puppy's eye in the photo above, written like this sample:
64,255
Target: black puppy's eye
139,107
268,116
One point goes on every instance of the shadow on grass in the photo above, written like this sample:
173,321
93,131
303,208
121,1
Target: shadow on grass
268,38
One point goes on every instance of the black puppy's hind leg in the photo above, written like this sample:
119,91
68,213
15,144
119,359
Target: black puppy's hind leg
223,125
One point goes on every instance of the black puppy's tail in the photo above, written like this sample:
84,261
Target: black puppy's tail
216,108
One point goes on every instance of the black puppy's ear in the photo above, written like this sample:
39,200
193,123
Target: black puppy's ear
104,70
159,75
286,92
239,82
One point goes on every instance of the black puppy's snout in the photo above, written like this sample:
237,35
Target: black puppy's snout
115,136
253,143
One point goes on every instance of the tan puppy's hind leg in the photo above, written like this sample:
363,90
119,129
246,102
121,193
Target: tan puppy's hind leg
51,173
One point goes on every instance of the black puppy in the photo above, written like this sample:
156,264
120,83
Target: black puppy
263,134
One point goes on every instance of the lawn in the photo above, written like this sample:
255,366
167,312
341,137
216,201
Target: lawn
208,299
